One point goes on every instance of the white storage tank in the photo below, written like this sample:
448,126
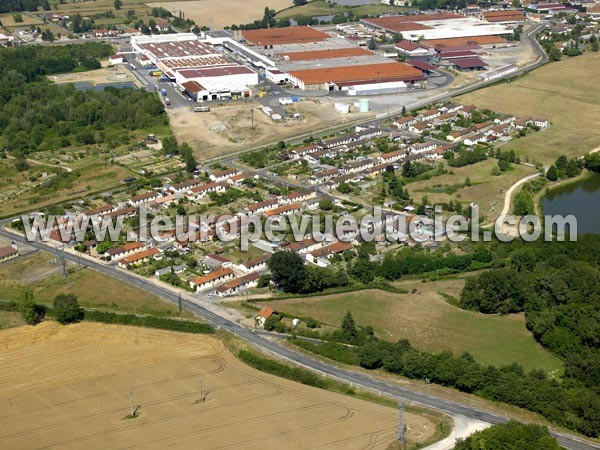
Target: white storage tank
342,108
363,105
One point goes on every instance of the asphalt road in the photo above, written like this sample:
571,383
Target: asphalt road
359,379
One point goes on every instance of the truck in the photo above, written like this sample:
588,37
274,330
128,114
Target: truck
201,108
156,73
167,101
163,92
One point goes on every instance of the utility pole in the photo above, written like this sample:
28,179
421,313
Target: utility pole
252,112
179,305
62,261
132,411
401,425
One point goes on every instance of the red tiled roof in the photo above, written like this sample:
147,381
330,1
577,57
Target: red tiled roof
266,312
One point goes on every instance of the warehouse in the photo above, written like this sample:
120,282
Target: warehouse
436,26
505,16
469,64
219,82
278,36
197,67
343,77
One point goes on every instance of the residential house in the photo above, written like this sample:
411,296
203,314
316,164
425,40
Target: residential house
419,127
213,261
298,196
185,186
421,147
260,207
211,279
223,175
143,198
429,114
358,166
458,135
199,192
124,250
467,110
285,210
139,257
238,284
262,316
8,252
404,122
323,176
388,158
255,265
321,255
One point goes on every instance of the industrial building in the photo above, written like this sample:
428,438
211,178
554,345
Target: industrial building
436,26
195,65
345,77
310,59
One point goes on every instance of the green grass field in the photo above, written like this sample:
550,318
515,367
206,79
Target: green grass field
322,8
562,92
487,190
93,289
430,323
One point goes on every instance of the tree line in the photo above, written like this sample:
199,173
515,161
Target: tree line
565,403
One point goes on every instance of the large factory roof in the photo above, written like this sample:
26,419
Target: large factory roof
326,54
219,71
511,15
289,35
473,40
349,74
182,63
178,49
409,22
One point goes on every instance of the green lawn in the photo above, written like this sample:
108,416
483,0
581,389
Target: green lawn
93,289
431,324
560,92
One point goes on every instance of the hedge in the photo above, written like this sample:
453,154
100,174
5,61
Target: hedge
275,368
161,323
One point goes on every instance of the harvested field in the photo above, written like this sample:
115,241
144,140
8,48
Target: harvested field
222,14
68,388
430,323
228,129
559,92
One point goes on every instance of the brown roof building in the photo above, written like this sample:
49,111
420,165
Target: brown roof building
351,75
288,35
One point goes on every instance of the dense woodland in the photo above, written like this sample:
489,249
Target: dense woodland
510,436
36,114
22,5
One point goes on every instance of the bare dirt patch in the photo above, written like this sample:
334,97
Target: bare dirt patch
105,75
68,387
229,129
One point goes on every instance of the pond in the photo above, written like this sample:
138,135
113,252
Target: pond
581,199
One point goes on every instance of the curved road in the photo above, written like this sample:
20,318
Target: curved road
355,378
